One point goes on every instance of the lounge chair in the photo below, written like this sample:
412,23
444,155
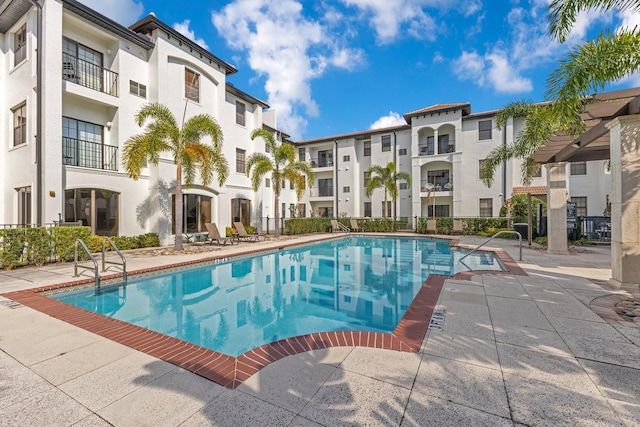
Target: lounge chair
336,227
354,226
431,226
458,227
243,235
214,235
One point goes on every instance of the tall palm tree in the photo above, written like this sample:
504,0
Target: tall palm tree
385,177
540,125
280,162
190,154
590,66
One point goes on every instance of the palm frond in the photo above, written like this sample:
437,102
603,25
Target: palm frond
156,112
267,136
200,126
257,166
529,169
496,157
514,109
136,153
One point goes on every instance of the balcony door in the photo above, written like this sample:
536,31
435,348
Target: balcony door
83,144
81,64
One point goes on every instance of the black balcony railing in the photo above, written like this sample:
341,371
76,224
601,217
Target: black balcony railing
322,162
437,184
321,191
89,154
89,75
427,149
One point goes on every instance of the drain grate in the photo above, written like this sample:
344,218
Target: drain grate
11,304
437,320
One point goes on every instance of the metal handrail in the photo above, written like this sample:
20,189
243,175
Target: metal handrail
343,227
105,262
493,237
91,257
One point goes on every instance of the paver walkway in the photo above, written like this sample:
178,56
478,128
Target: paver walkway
514,350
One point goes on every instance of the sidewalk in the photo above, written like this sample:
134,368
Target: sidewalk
514,350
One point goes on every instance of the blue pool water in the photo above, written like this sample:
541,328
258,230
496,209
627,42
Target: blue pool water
356,283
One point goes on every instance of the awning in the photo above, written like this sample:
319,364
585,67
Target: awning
534,191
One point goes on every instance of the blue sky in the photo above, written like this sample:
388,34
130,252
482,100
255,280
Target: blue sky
337,66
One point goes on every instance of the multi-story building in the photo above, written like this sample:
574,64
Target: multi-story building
69,109
66,163
442,147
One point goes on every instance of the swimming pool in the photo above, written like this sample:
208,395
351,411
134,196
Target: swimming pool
358,283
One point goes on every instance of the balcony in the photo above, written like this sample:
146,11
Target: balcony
87,154
322,162
427,149
437,184
321,192
89,75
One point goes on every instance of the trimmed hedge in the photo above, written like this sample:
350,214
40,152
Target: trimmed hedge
470,225
37,245
322,225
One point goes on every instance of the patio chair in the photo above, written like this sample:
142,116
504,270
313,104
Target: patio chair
243,235
431,226
214,235
354,226
458,227
336,227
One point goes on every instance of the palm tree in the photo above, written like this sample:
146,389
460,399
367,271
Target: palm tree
281,164
385,177
190,154
540,125
589,67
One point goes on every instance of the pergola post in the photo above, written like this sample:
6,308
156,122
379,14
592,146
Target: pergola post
625,202
557,207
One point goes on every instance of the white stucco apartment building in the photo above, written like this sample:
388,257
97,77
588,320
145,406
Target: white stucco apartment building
63,137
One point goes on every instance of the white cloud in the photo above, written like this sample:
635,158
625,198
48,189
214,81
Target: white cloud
183,28
390,18
124,12
393,119
288,50
504,77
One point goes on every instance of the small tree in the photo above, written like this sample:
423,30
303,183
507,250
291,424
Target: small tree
280,162
386,177
190,154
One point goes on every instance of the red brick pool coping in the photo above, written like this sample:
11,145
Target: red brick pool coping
231,371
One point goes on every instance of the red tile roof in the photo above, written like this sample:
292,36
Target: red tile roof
538,190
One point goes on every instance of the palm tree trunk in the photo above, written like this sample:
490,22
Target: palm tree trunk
178,212
276,213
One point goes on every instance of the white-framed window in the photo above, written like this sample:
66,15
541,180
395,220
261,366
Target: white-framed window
367,148
402,152
20,45
267,182
480,163
137,89
386,142
301,154
578,168
403,186
240,113
581,205
19,124
346,189
346,158
484,129
191,85
24,205
240,160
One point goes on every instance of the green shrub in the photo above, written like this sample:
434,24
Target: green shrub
64,239
476,226
38,245
12,246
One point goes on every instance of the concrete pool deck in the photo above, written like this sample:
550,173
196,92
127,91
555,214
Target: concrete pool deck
514,350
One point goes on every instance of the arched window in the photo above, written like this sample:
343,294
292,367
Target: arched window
95,208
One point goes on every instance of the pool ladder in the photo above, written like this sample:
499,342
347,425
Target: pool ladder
493,237
122,263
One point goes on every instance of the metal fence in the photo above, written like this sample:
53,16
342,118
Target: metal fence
594,228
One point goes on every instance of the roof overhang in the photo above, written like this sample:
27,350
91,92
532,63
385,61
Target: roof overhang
593,143
11,11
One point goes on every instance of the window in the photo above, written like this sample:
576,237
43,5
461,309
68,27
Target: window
346,158
484,129
137,89
83,145
402,152
292,273
303,273
581,205
386,211
347,298
95,208
441,211
538,173
444,145
19,125
196,212
325,158
486,208
283,210
325,187
191,85
267,182
347,267
240,109
579,168
440,179
367,148
241,211
290,185
386,142
24,206
480,163
240,160
301,154
284,183
346,189
367,209
403,186
20,45
83,65
367,177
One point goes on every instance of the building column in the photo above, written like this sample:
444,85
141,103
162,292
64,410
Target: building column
436,149
557,207
625,202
